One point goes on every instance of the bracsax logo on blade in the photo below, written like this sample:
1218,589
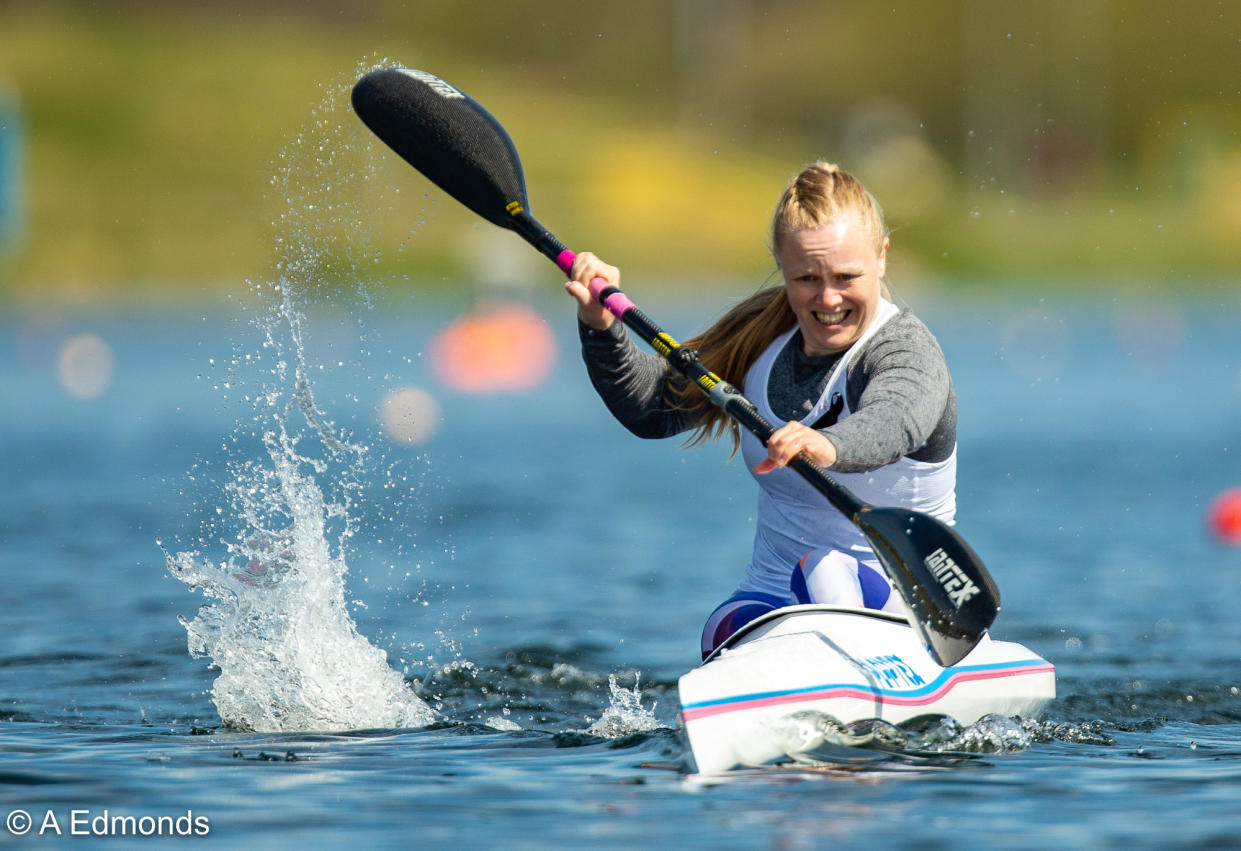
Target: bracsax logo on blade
437,85
960,587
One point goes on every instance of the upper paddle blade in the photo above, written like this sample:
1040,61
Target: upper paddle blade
952,596
446,135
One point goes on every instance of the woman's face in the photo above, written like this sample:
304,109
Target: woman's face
832,279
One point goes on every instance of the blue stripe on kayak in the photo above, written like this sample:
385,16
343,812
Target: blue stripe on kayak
944,678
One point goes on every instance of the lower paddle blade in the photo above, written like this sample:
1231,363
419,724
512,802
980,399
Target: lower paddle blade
446,135
945,584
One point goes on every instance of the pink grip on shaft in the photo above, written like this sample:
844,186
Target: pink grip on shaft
617,303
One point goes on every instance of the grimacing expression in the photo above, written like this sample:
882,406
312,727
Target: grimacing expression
832,278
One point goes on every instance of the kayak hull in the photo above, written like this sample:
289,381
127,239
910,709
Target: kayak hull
742,706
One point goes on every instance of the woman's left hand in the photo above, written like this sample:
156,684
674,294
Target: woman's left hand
790,440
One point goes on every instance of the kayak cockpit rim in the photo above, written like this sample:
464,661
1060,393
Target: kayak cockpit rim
776,614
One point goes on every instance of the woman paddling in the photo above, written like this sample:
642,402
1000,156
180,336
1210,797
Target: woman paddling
861,385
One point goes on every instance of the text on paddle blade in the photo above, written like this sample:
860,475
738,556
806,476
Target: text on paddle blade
959,587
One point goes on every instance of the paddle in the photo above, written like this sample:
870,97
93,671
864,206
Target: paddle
460,147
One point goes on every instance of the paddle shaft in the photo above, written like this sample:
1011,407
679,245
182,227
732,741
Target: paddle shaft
685,361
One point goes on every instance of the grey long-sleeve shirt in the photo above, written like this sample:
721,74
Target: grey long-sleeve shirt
898,389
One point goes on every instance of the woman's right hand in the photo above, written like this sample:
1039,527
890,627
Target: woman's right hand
586,268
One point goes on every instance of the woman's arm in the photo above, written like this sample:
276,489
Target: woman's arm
904,396
631,382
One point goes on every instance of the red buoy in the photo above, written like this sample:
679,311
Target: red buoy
1224,517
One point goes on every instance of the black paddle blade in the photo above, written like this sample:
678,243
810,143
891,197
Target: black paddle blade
945,584
446,135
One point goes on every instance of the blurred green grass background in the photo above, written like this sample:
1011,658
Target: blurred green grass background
1055,143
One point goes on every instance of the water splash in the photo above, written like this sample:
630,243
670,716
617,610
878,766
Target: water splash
816,738
276,623
289,654
534,689
1084,733
989,734
625,714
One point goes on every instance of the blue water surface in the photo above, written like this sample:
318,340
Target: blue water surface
532,548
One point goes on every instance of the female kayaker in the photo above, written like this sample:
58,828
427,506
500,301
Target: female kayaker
861,385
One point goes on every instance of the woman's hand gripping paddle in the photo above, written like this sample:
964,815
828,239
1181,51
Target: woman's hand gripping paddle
460,147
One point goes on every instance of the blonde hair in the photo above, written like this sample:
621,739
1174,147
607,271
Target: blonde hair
820,194
823,193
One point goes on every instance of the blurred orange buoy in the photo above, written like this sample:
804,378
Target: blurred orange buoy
494,350
1224,516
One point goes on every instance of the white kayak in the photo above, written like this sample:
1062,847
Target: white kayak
746,704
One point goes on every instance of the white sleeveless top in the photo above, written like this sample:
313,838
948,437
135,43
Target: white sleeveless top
793,517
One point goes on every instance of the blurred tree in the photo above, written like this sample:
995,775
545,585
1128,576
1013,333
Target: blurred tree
1060,138
12,172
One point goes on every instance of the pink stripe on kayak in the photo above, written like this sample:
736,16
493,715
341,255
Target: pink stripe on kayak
862,693
897,700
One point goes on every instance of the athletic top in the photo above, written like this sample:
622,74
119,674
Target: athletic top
793,517
886,403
